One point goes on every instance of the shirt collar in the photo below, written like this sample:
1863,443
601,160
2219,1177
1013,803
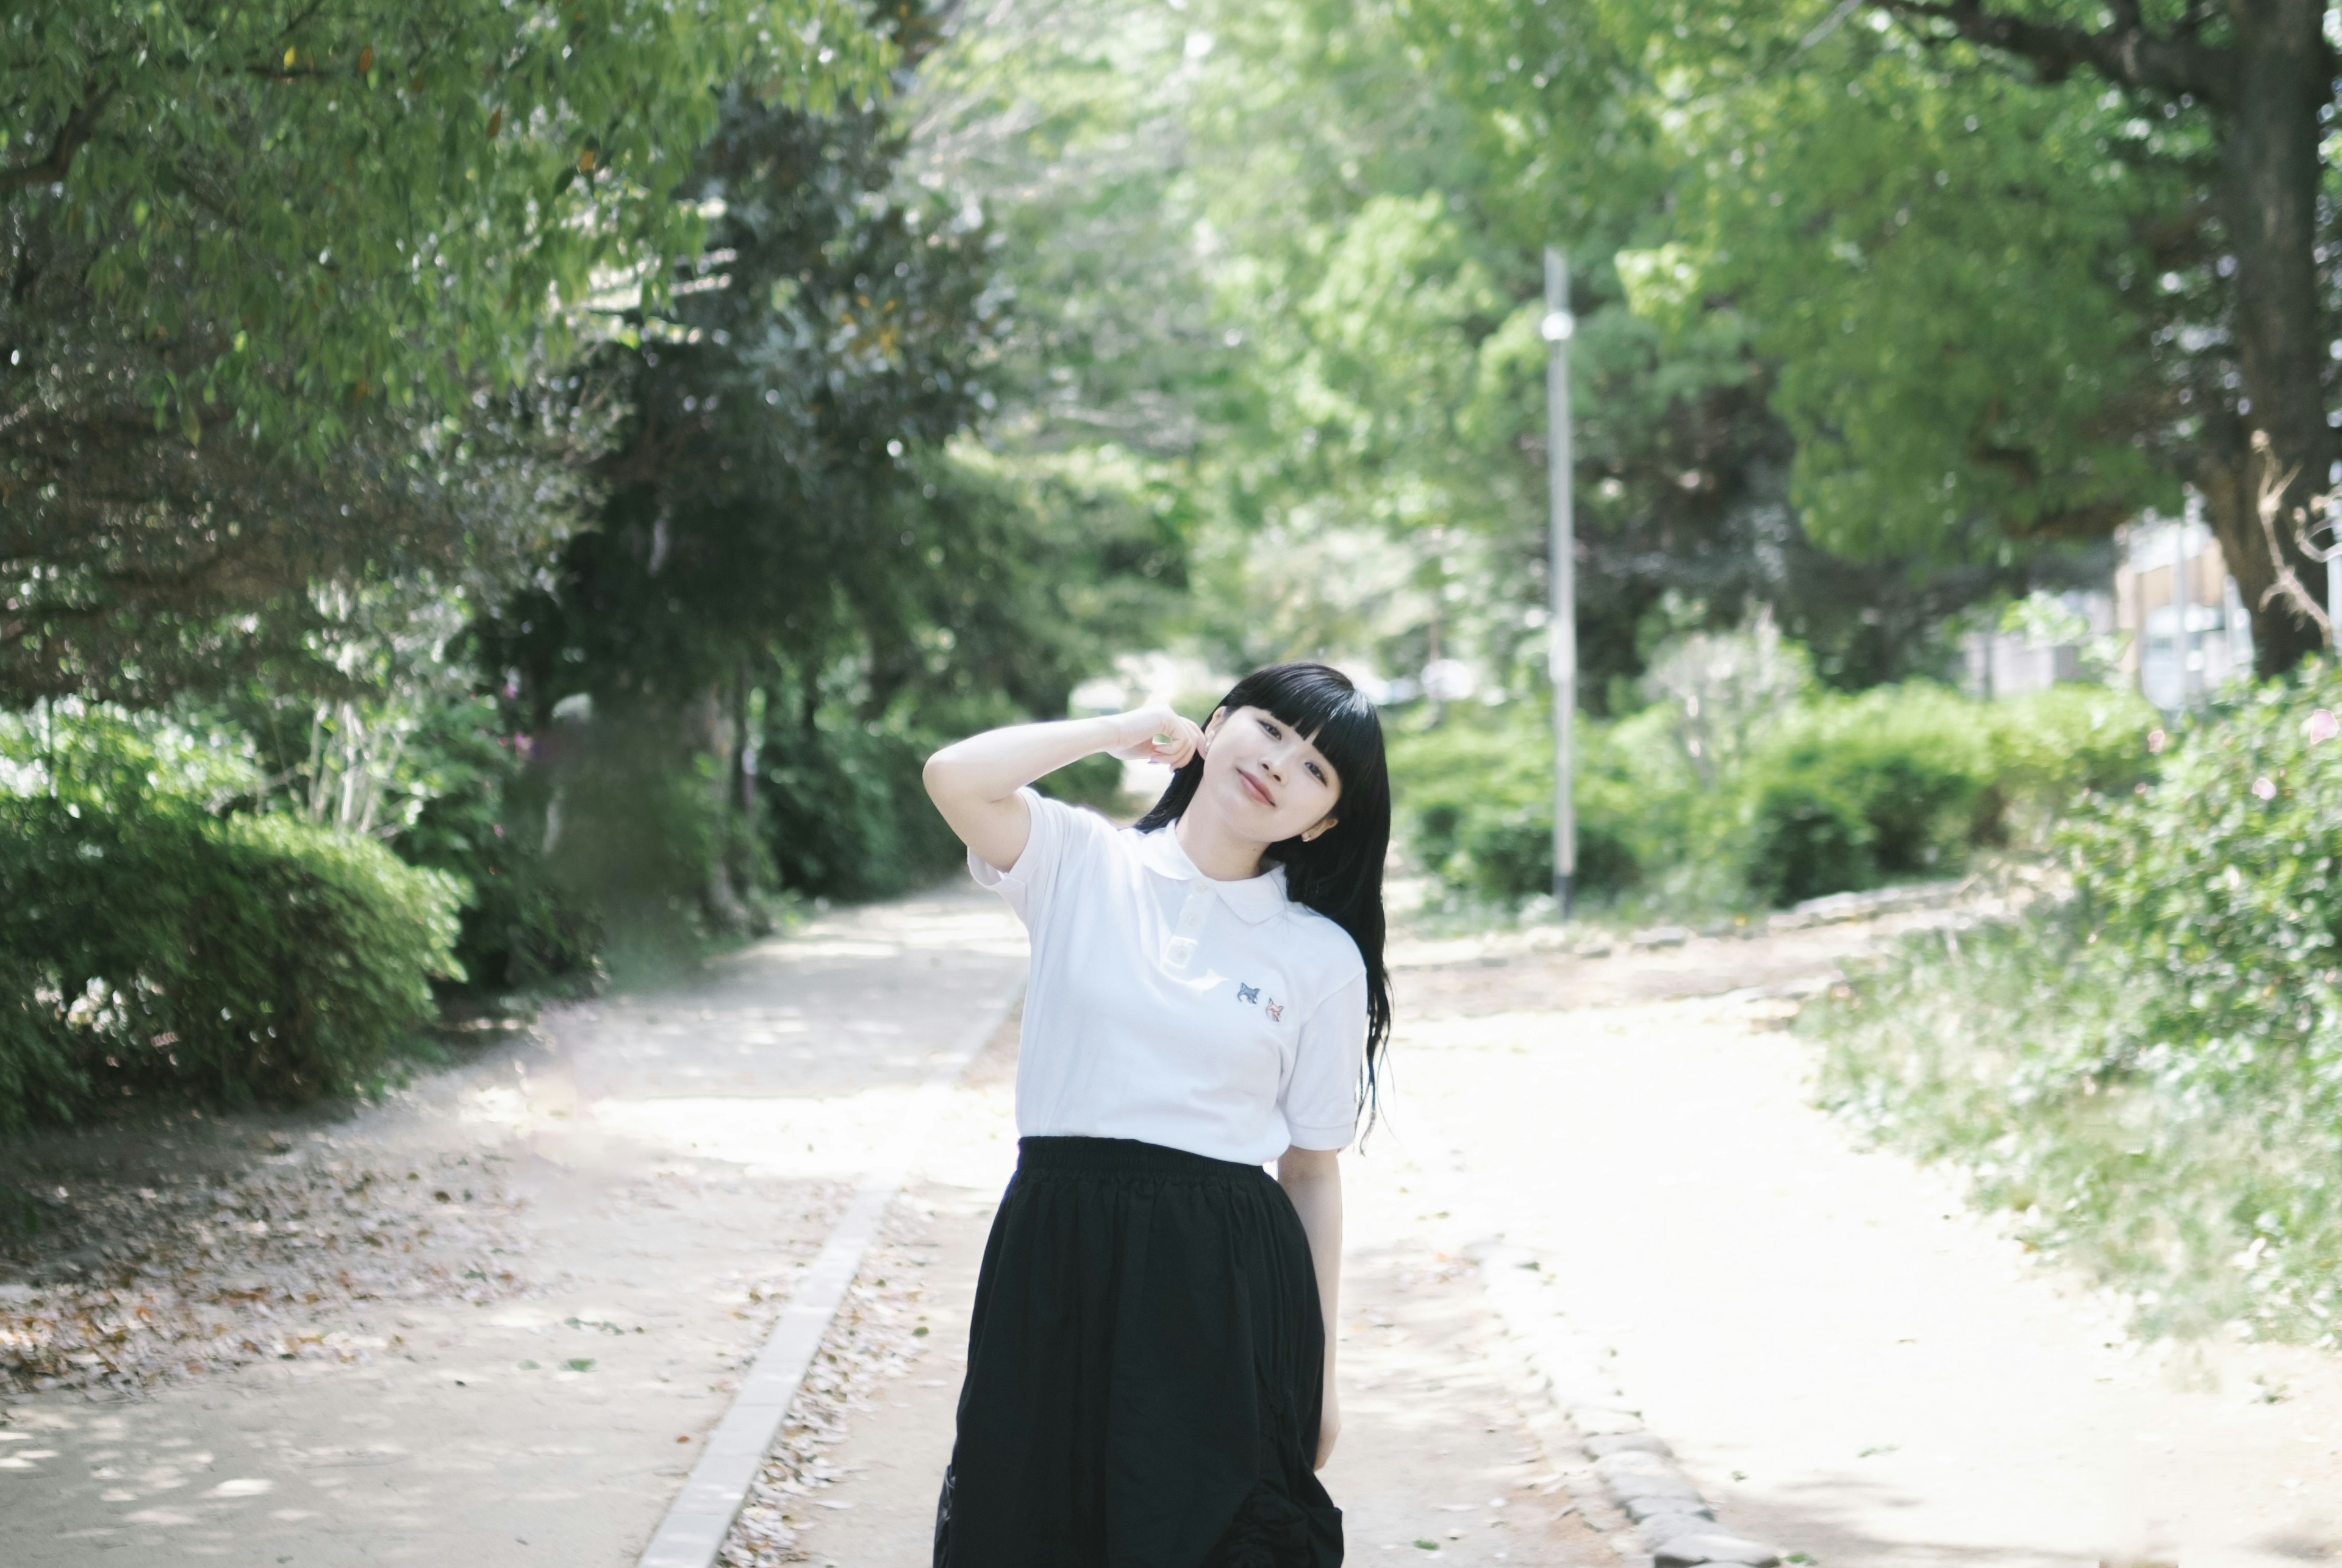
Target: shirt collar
1254,899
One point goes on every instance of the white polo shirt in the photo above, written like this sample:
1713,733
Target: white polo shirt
1217,1017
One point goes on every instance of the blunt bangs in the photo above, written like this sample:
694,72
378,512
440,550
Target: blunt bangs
1327,709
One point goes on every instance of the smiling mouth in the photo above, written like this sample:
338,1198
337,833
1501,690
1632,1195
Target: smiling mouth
1258,790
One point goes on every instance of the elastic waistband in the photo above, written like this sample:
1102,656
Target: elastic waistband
1128,1156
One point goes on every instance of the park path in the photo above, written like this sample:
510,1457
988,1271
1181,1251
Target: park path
1848,1361
657,1164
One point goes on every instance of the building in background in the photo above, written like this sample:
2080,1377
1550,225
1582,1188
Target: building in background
2183,626
2069,642
2173,627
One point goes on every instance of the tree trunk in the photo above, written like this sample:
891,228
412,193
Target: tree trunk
2269,207
716,737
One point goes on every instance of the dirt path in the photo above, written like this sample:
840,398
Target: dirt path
515,1362
489,1322
1849,1362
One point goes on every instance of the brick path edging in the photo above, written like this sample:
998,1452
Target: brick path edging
1629,1486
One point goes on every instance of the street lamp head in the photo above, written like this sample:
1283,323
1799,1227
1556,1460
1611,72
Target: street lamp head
1558,326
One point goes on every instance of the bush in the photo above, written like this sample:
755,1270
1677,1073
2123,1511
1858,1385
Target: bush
1906,781
1850,791
2217,896
245,959
1474,800
2151,1071
2050,749
1831,794
1806,840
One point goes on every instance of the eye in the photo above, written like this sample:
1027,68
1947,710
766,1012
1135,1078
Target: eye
1271,731
1318,771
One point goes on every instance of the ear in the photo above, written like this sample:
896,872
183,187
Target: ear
1211,728
1325,826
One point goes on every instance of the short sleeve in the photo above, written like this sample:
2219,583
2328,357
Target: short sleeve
1321,1098
1060,837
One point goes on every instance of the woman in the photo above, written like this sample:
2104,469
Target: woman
1150,1379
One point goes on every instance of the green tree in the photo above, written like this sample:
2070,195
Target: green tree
794,535
2248,90
1381,181
2025,269
239,234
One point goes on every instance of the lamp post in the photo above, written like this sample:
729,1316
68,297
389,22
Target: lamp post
1561,574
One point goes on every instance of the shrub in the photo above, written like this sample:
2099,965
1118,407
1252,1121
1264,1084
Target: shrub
1806,840
1849,791
2050,748
2219,894
1831,792
1908,780
251,958
1473,799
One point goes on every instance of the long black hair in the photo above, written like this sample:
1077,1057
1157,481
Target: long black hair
1340,873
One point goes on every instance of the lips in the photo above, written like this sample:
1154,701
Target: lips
1254,788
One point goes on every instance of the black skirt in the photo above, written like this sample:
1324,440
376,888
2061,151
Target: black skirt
1143,1371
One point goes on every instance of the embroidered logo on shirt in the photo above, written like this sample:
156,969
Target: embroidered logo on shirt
1276,1010
1247,993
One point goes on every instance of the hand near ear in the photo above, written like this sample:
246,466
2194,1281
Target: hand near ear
1154,733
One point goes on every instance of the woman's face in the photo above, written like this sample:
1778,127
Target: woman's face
1262,779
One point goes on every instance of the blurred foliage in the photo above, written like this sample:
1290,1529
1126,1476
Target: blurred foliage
479,815
1991,256
146,944
1375,187
1731,792
2150,1072
802,575
278,306
764,563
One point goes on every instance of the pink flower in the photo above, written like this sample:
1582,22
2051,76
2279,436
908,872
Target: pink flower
2155,741
2322,726
2265,789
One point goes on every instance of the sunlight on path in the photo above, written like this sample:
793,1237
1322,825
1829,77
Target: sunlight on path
676,1154
1849,1362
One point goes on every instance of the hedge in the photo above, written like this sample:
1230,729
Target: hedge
1835,792
244,959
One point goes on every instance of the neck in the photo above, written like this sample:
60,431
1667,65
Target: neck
1215,852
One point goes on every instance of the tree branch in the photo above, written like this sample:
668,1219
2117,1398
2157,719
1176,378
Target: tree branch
79,126
2270,503
2126,54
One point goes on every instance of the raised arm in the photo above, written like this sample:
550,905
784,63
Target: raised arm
974,782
